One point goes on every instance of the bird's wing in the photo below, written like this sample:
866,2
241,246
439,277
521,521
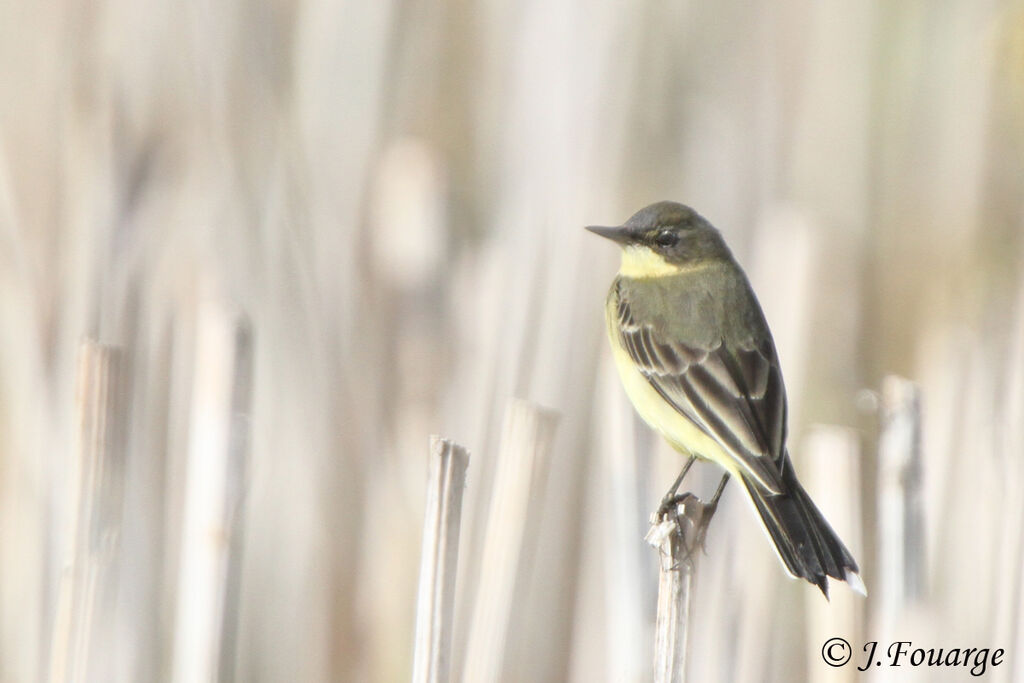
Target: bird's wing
732,391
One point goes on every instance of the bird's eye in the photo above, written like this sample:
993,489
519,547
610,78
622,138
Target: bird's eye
666,238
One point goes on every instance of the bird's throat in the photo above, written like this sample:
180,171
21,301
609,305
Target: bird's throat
642,262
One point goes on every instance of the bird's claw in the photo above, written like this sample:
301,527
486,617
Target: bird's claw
696,514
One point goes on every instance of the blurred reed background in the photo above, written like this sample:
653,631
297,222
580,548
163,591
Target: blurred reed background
303,236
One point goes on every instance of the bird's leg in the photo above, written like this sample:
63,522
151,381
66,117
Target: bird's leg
707,511
688,507
671,499
669,508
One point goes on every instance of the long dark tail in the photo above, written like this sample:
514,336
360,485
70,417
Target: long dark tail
803,539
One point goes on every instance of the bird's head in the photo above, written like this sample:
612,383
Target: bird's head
663,239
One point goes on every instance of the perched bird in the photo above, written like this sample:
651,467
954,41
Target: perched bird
698,362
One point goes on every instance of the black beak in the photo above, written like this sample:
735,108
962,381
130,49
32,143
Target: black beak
619,234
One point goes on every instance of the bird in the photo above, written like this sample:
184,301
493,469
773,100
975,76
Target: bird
698,362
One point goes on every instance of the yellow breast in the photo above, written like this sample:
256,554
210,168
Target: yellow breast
676,428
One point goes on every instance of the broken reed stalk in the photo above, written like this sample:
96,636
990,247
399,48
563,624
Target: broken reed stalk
511,535
439,561
94,526
214,484
675,583
831,472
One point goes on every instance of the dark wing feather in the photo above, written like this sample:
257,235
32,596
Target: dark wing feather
731,390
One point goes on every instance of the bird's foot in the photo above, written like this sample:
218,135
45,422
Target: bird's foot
691,516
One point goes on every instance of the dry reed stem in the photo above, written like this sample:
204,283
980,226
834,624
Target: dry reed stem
439,561
214,480
675,582
97,482
831,473
511,535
